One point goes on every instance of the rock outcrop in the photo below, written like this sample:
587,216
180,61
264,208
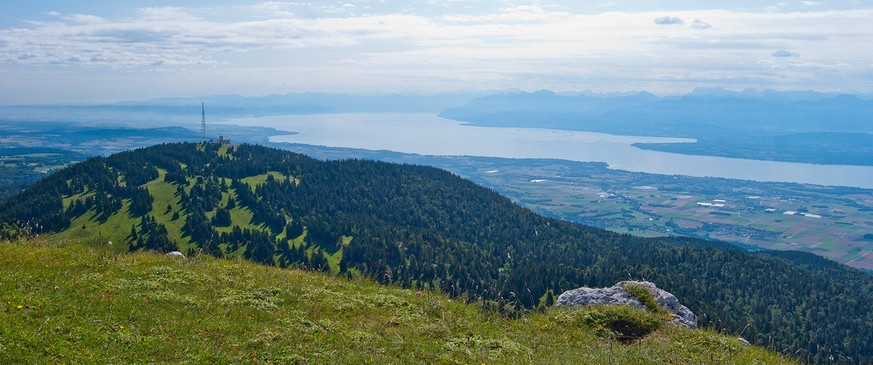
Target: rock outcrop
617,295
175,254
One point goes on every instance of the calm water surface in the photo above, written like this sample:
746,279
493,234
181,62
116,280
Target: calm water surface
428,134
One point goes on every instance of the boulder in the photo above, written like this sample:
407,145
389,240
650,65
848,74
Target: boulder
175,254
616,295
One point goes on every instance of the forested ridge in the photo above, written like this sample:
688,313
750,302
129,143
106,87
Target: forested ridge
418,226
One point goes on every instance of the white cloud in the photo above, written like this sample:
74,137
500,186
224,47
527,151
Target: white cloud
167,13
84,19
669,20
523,13
700,24
784,53
516,47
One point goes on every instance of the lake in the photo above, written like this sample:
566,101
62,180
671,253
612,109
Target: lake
428,134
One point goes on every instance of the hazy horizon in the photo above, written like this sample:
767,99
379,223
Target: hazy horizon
61,52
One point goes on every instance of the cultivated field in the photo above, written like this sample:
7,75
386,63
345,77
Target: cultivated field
830,222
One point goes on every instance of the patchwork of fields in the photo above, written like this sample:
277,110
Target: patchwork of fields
830,222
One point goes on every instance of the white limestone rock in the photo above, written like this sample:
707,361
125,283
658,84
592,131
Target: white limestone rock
616,295
175,254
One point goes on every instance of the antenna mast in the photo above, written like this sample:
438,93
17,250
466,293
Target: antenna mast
203,120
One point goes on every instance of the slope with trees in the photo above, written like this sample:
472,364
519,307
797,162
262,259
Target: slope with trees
421,227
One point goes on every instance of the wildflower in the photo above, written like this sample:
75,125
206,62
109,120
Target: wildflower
20,306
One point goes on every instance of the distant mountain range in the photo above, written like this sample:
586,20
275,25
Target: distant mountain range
766,125
715,109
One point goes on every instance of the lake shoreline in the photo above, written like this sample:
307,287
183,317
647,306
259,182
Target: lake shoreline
428,134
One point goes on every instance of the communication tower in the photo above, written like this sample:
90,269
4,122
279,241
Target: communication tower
203,120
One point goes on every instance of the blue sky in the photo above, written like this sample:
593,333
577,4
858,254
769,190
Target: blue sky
93,51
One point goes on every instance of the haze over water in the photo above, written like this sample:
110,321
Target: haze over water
428,134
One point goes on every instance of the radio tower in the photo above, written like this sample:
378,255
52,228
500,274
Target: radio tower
203,120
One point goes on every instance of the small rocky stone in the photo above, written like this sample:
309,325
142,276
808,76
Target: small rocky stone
175,254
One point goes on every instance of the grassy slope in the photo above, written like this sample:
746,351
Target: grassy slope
72,303
117,228
164,195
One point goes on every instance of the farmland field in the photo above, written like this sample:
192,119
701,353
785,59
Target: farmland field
822,220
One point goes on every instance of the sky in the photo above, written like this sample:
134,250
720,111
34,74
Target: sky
62,51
